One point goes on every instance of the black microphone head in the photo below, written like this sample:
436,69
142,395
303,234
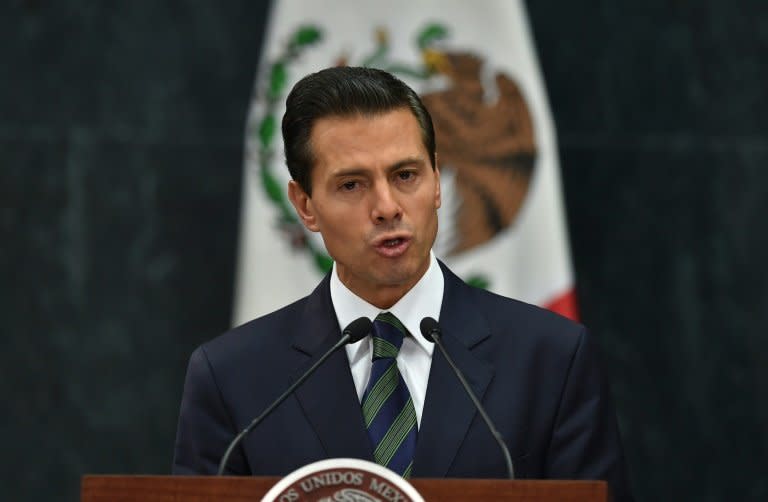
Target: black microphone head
358,329
429,328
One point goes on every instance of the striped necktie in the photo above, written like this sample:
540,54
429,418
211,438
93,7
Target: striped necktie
388,410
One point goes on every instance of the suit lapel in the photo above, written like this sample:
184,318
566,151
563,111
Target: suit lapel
328,398
448,411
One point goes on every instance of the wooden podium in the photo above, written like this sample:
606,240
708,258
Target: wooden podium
199,488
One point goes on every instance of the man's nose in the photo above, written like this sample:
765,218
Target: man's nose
385,206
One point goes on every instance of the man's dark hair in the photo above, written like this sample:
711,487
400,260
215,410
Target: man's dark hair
344,91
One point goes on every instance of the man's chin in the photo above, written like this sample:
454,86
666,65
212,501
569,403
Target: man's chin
400,275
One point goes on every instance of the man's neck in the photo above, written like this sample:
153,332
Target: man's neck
424,299
383,296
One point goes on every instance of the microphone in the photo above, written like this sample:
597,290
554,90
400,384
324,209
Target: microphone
430,329
356,331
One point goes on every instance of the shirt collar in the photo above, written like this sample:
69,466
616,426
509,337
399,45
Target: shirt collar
424,299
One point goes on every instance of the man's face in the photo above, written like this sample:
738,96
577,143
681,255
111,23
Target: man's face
374,201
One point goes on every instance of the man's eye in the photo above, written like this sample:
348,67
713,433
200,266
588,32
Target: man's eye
406,175
349,185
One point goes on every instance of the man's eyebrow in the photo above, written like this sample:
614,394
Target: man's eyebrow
361,171
348,171
408,161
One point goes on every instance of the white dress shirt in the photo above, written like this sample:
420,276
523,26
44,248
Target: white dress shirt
415,357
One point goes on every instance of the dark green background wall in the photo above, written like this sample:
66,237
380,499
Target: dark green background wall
120,160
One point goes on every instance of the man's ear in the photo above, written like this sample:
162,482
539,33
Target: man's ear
303,205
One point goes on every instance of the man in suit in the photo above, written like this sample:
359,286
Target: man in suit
360,148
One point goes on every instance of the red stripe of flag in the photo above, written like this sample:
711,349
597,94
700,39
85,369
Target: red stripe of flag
565,305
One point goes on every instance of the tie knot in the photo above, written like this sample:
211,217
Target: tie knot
388,333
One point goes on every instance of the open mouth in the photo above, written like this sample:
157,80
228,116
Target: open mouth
390,243
394,247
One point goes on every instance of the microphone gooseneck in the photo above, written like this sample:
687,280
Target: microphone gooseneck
430,329
355,331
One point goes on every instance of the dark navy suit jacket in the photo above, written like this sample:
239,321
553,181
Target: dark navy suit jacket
534,371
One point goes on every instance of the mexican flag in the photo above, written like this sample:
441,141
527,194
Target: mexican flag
502,223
